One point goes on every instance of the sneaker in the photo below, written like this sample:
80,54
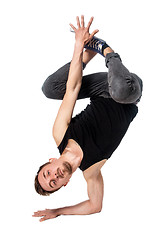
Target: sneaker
96,45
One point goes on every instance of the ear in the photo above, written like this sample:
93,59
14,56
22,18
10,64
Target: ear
52,159
66,183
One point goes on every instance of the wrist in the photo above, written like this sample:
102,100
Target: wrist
69,210
59,211
62,211
79,46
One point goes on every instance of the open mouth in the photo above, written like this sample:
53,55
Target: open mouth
60,173
68,167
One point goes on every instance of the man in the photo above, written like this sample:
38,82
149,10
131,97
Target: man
89,139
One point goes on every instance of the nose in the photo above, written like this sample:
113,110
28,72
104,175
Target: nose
52,175
56,175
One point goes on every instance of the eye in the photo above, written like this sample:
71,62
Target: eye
48,172
54,182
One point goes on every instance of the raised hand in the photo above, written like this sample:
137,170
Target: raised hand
82,34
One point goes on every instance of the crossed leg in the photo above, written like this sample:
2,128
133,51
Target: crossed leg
92,85
118,83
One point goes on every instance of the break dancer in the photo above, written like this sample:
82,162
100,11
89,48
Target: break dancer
87,140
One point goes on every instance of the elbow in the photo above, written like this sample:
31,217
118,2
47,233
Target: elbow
97,209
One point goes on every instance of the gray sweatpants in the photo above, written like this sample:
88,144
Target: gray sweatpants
118,83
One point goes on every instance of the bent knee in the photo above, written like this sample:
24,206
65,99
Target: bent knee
46,88
126,90
53,89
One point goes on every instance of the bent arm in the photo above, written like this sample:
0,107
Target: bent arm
93,204
90,206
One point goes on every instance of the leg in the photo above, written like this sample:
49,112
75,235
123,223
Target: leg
124,87
55,85
119,84
92,85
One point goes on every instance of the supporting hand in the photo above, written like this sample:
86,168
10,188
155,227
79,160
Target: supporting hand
82,34
46,214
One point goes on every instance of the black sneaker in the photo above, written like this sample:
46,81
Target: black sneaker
96,45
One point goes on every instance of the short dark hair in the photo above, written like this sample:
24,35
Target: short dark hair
37,185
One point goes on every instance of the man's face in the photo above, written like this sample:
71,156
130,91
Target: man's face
55,174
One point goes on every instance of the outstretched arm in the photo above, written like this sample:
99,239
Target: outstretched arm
73,85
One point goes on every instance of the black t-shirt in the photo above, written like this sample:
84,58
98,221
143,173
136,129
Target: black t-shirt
99,129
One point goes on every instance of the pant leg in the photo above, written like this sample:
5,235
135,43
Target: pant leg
93,85
55,85
124,87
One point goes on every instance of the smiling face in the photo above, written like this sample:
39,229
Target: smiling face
55,174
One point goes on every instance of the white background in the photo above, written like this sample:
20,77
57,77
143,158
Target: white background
35,42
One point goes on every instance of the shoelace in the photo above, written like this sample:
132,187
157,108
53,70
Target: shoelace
96,44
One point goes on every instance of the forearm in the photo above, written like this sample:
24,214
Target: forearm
83,208
76,70
88,55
